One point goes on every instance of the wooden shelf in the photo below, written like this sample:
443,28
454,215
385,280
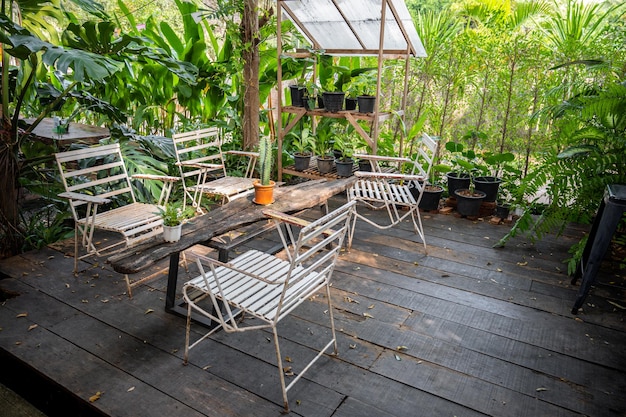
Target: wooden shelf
314,174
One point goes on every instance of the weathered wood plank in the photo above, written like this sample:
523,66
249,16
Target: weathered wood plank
237,213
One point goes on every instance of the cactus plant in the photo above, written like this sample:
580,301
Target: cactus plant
265,159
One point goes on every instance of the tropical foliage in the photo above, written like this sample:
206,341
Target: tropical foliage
539,80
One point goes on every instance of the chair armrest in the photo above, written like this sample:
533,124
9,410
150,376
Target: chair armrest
164,178
244,153
200,165
388,176
83,197
286,218
292,220
379,158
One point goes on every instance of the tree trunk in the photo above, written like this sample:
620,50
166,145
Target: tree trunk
10,237
251,74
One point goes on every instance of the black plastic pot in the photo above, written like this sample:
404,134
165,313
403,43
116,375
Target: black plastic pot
489,185
325,165
351,103
502,211
430,198
365,165
468,204
457,181
344,167
333,101
366,104
302,161
297,93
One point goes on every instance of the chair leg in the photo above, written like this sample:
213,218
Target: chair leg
332,319
187,332
129,288
281,371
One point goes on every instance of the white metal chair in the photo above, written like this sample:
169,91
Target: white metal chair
200,159
266,288
101,197
392,191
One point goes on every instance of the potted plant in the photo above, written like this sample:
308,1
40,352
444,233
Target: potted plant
364,86
459,176
264,187
468,201
333,98
173,217
345,144
323,149
302,145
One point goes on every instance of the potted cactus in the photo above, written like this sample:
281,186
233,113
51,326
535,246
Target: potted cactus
264,187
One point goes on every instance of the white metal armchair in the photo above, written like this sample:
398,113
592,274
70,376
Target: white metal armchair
266,288
202,167
101,197
399,194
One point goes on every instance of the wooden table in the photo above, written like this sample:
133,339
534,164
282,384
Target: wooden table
230,216
78,132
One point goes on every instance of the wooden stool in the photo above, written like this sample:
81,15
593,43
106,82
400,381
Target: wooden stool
612,207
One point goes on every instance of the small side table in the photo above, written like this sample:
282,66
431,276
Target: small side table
612,208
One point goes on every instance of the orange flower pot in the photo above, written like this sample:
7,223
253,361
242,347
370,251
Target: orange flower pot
263,194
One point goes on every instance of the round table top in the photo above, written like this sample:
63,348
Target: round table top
76,132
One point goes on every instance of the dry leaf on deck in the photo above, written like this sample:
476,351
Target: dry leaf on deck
32,326
95,397
148,311
21,315
368,315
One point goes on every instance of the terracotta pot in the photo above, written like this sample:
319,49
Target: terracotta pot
263,194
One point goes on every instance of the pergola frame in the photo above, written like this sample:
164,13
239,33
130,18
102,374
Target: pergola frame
338,27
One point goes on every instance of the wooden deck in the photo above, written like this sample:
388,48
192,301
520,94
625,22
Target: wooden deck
466,331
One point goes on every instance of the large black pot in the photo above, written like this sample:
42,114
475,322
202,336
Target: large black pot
457,181
297,93
430,197
366,104
489,185
325,164
468,204
333,101
301,161
344,167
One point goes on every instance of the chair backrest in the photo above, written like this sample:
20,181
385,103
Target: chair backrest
426,154
202,146
316,251
424,159
96,171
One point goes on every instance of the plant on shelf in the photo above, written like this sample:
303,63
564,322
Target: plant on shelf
302,145
324,148
345,144
264,188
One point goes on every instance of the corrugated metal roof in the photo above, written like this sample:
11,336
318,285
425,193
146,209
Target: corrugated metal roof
353,27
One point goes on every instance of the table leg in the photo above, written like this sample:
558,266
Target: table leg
172,281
